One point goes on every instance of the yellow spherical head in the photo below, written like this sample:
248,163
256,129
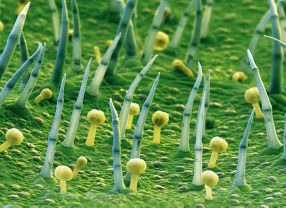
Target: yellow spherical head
239,76
1,26
210,178
160,118
20,8
136,166
252,95
70,33
134,109
14,136
46,93
218,144
108,43
161,41
96,116
81,162
63,173
178,64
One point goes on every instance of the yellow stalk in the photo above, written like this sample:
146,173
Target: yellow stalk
187,72
38,99
63,187
4,146
213,159
91,135
209,195
133,183
97,53
129,122
157,134
75,172
258,112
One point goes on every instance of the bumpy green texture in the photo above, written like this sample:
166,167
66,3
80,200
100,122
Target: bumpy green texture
167,177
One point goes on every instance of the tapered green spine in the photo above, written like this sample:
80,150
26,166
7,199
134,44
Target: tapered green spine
198,162
148,45
207,89
139,129
239,180
206,18
129,96
182,24
130,43
273,141
13,40
13,80
55,20
282,18
116,151
277,52
259,31
62,49
47,170
94,86
196,35
73,126
24,97
123,29
76,38
185,133
24,57
284,152
207,85
23,48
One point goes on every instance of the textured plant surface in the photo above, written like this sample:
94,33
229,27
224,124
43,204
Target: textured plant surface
168,178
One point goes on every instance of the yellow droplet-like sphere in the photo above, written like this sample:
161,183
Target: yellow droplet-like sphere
46,93
160,118
108,43
14,136
81,162
210,178
161,41
239,76
1,26
20,8
218,144
177,64
96,116
251,95
63,173
136,166
70,33
134,109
